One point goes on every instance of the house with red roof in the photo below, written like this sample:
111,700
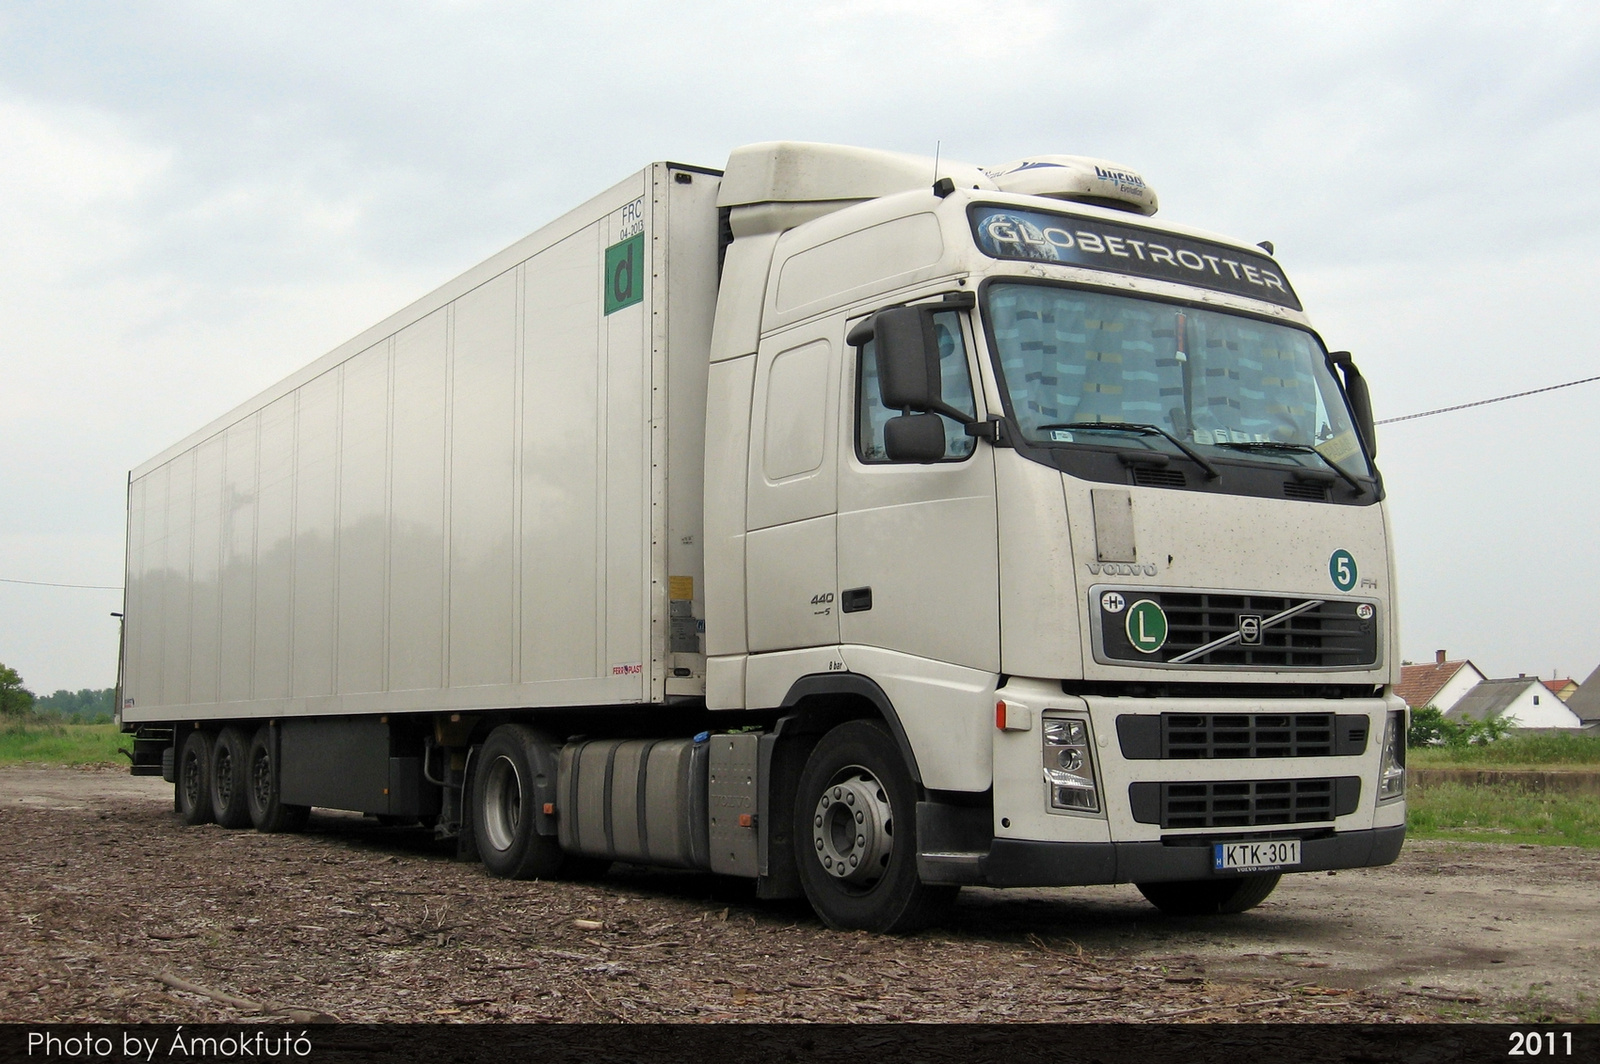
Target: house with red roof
1441,684
1562,689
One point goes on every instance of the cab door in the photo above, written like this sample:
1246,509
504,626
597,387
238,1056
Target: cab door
791,558
918,545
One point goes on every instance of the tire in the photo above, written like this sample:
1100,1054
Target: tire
193,784
267,812
856,784
230,778
503,819
1210,897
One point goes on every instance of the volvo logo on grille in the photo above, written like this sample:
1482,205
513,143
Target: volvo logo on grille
1120,569
1250,629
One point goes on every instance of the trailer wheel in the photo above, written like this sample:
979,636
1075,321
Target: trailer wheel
193,785
855,835
229,793
1209,897
503,818
267,812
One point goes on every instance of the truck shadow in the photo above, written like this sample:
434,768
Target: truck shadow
1104,919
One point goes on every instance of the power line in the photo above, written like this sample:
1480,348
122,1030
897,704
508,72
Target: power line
47,583
1484,402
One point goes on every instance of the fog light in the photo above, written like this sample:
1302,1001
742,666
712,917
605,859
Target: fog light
1392,765
1069,765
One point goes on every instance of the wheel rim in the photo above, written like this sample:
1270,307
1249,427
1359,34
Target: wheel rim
502,803
852,828
191,779
223,769
261,779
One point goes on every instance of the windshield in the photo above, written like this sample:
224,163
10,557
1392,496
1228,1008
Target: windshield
1221,383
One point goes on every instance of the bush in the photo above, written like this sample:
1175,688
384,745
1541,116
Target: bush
1522,750
1430,727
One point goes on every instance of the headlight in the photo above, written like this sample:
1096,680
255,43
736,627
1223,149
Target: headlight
1069,765
1392,765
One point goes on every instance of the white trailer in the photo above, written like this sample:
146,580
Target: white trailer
817,521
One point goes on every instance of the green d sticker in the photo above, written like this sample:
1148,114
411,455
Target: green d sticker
1147,626
624,277
1342,568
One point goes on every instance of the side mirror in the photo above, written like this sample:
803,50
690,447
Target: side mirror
914,438
907,343
908,358
1355,387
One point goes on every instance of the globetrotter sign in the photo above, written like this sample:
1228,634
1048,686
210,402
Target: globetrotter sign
1006,233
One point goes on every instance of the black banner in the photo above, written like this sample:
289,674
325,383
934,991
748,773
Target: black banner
1008,233
882,1043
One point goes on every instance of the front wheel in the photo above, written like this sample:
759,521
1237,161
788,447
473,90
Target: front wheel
1209,897
855,835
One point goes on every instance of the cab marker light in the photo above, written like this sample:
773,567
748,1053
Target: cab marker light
1010,716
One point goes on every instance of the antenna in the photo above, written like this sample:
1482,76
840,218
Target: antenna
942,186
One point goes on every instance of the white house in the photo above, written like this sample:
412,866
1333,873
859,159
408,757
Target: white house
1522,700
1441,684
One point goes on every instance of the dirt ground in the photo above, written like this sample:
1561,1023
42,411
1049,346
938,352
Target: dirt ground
112,911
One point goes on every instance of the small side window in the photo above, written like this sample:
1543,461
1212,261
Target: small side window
871,414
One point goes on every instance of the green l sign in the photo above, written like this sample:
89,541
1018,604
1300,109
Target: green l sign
1147,626
624,276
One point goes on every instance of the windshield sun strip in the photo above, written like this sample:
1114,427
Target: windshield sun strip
1116,292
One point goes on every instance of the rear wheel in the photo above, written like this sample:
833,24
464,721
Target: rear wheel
855,835
230,755
267,811
194,777
1209,897
503,815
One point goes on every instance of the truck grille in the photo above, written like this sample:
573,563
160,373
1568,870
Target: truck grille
1204,631
1243,803
1200,736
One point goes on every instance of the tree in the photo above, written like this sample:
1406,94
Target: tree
1429,728
15,699
88,704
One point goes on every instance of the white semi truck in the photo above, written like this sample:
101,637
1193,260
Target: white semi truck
859,524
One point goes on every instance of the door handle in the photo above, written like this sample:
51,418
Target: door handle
855,600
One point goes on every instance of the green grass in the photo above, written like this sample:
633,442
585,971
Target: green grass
1502,814
1517,751
55,743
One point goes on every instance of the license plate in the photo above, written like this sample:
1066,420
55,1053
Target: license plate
1268,855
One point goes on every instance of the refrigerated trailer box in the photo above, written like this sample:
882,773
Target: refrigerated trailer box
862,526
492,499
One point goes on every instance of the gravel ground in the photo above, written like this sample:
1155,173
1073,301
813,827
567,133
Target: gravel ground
114,912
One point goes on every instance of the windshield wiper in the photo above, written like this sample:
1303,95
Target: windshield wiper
1143,430
1299,448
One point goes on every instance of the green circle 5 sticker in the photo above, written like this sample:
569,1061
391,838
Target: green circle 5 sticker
1147,626
1342,568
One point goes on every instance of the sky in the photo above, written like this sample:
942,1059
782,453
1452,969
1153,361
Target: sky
197,199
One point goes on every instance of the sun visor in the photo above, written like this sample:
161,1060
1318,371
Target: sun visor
796,172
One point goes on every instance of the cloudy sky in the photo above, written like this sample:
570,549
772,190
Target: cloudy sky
198,198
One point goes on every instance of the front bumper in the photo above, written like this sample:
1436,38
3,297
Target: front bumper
1025,863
